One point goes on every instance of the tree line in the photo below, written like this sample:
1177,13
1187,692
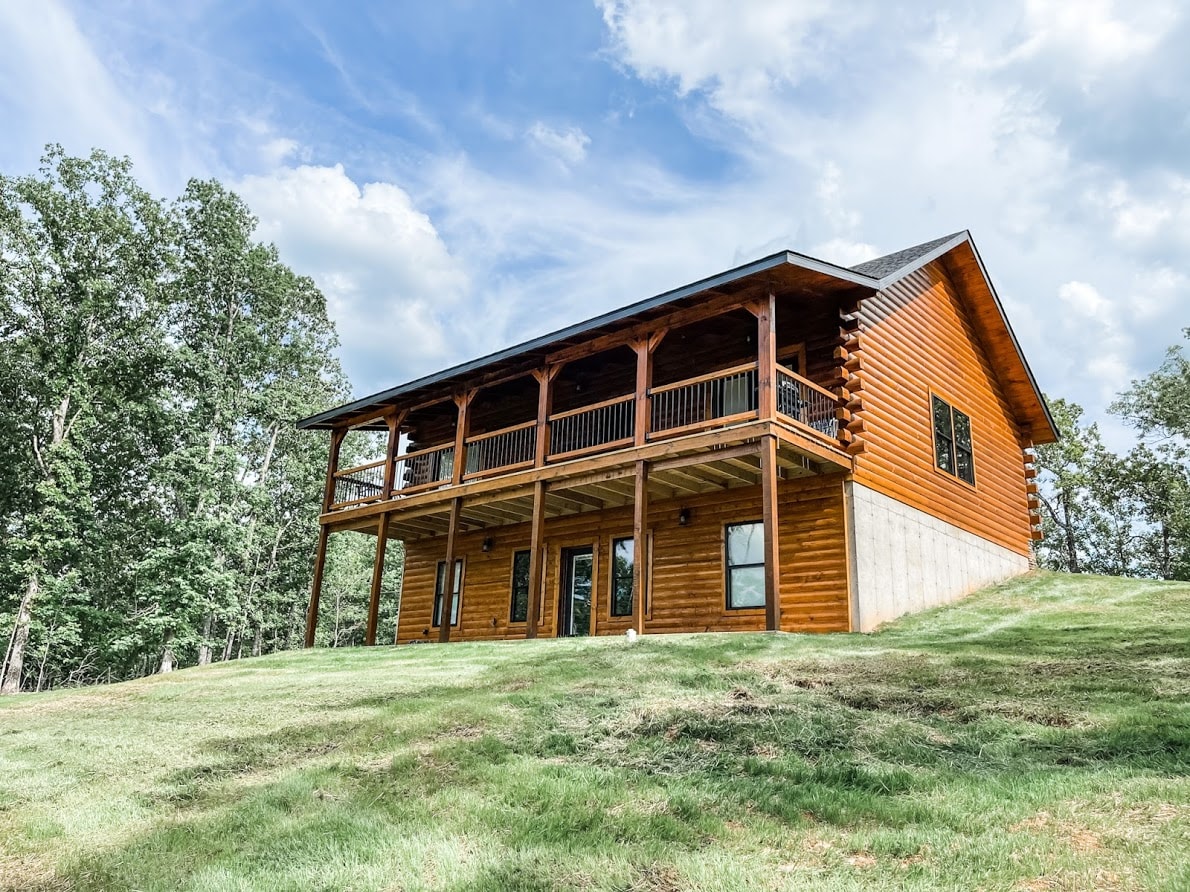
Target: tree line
1129,514
157,506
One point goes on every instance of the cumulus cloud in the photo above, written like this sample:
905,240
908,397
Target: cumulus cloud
388,277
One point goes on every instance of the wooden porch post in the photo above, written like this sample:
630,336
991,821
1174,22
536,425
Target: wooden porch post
394,441
377,579
536,570
324,532
644,348
448,596
545,407
766,355
463,401
640,557
772,542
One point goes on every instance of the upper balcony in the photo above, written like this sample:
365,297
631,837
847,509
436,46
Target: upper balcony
684,394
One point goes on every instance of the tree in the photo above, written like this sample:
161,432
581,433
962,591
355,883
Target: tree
83,253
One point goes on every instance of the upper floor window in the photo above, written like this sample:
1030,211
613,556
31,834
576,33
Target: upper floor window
518,610
745,565
440,589
952,441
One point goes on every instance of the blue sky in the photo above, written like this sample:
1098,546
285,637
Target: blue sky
460,176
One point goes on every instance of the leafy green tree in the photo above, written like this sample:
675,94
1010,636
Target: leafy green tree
84,254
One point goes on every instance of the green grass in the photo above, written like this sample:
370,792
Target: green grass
1034,737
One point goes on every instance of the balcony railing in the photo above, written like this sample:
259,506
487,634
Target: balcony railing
716,399
806,403
502,450
363,483
603,426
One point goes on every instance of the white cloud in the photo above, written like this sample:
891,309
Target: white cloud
388,277
1095,33
569,145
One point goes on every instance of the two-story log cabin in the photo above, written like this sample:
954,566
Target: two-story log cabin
788,445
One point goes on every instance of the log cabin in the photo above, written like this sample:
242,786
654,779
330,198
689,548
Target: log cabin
788,445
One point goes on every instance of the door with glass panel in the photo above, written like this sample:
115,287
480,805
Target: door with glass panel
574,609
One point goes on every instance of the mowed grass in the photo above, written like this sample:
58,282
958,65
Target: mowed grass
1034,737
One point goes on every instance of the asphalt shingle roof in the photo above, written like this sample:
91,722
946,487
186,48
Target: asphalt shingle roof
890,263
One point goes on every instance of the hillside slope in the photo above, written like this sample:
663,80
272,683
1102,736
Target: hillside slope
1035,737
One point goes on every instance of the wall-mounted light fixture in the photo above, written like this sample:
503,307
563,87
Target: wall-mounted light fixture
487,544
683,517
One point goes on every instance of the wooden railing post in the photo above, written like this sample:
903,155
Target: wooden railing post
332,465
394,441
463,401
448,595
536,568
766,356
644,348
545,407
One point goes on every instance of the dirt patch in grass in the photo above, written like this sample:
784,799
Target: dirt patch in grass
27,873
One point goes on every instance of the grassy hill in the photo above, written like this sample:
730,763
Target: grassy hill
1035,737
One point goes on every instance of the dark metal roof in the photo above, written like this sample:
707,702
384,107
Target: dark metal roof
323,419
875,274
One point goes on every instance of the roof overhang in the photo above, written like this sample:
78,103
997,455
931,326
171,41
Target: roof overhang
783,270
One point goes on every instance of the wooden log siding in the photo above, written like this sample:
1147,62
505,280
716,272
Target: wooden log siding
686,590
918,339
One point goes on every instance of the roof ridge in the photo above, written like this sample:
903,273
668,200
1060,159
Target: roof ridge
886,265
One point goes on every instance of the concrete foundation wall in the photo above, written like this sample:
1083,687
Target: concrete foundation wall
904,560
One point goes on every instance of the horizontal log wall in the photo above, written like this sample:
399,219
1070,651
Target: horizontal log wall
687,571
917,337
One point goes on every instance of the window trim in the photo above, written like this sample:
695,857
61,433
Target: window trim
457,606
611,590
954,445
797,352
528,552
728,607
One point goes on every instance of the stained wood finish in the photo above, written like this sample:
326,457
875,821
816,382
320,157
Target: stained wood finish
448,590
687,577
918,338
772,548
324,533
640,532
536,558
377,580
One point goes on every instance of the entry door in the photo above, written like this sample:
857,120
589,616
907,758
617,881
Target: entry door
574,610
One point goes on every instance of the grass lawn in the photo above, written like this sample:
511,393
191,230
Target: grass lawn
1035,737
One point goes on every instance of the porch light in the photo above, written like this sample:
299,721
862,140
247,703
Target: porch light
486,545
683,517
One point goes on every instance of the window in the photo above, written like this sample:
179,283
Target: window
623,565
440,588
745,565
518,610
952,441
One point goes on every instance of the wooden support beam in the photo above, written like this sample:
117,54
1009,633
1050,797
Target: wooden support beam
394,441
377,579
332,465
640,559
448,595
536,558
644,348
324,533
545,407
772,550
766,354
462,430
